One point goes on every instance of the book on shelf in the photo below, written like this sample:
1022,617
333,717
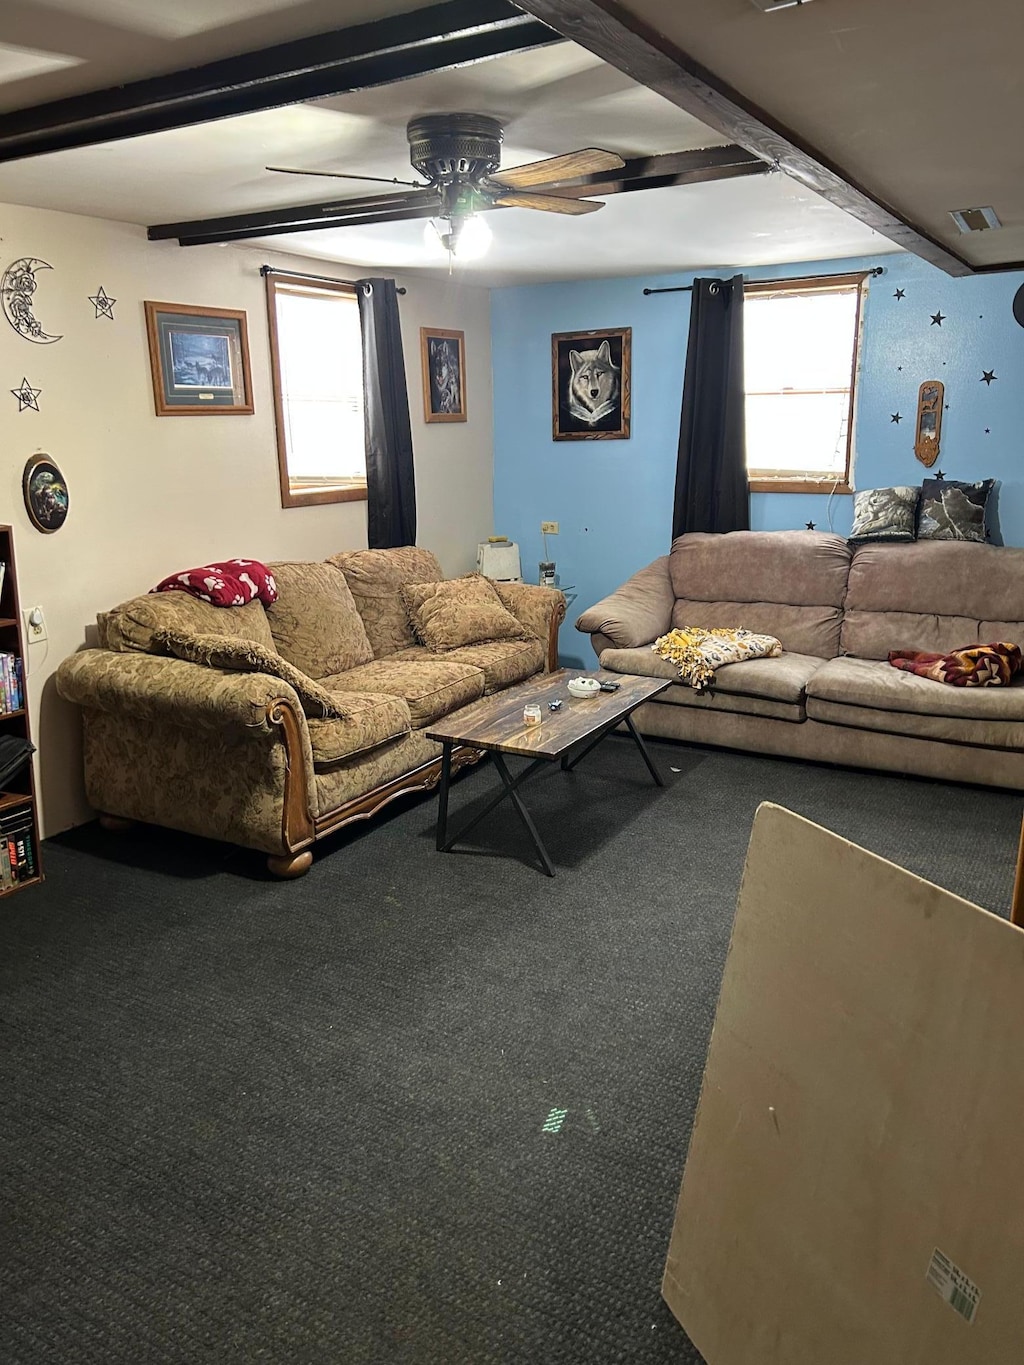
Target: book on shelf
17,839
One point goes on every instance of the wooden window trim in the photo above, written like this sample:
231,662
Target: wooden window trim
762,480
759,484
321,494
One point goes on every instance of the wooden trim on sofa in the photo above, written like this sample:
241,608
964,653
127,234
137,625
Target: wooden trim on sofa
557,617
297,828
423,778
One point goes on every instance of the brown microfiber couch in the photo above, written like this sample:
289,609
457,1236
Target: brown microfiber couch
838,611
272,727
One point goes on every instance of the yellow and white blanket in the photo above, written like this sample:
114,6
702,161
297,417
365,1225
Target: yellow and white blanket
698,653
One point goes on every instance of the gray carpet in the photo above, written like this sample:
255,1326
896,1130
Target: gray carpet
247,1121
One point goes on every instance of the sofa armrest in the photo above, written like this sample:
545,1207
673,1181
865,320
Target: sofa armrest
539,610
638,612
164,737
155,688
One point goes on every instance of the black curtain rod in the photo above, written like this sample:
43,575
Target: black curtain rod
323,279
795,279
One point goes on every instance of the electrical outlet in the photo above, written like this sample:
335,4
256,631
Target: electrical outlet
549,528
35,624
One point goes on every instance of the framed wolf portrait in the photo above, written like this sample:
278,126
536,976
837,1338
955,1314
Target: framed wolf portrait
591,385
444,374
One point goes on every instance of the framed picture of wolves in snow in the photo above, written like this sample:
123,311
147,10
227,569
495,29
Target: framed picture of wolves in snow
199,358
444,374
590,385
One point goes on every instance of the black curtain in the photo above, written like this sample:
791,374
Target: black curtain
390,480
711,474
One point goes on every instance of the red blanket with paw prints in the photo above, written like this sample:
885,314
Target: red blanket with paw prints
976,666
228,583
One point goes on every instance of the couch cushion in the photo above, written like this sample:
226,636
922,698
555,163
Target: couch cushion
934,595
872,695
458,611
503,662
371,719
242,656
374,578
432,687
133,625
758,687
789,584
314,621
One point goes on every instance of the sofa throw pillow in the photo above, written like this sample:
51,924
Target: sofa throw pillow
697,652
458,611
950,510
884,514
226,583
244,656
976,666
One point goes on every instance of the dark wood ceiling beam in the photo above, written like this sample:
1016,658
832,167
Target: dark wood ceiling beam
299,217
648,57
639,173
437,38
659,172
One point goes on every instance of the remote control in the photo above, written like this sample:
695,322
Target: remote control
610,687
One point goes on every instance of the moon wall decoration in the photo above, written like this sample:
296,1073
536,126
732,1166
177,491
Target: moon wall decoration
17,289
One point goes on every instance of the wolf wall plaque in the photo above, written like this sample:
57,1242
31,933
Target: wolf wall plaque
591,385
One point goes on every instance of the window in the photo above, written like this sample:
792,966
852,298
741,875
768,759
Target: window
317,357
800,361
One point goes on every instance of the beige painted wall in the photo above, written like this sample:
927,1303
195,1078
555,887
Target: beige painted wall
151,495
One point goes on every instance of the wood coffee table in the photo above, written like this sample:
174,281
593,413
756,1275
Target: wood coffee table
496,724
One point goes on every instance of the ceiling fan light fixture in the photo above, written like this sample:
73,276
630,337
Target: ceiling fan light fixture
466,239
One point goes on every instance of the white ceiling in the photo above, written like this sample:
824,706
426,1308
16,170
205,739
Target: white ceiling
551,100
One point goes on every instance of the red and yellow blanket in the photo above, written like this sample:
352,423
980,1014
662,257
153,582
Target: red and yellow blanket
976,666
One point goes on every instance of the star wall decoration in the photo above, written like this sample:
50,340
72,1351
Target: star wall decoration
986,377
938,319
810,526
988,431
27,396
896,417
940,473
103,304
899,293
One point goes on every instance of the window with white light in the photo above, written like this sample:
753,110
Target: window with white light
317,358
800,361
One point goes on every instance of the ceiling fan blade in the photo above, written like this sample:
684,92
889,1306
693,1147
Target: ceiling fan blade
549,203
587,161
341,175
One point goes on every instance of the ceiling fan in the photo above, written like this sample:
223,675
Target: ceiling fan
459,155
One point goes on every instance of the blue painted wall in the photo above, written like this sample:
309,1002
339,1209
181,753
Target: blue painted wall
613,499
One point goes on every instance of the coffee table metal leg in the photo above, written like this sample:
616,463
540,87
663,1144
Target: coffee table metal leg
643,750
442,798
524,815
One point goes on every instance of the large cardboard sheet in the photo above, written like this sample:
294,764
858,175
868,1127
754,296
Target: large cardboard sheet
854,1189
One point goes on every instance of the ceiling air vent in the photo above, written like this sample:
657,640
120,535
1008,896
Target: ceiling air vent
769,5
975,220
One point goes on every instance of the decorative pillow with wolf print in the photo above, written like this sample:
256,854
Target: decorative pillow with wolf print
976,666
884,514
951,510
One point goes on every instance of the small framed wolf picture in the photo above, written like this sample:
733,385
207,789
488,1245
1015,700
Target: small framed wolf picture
590,385
444,374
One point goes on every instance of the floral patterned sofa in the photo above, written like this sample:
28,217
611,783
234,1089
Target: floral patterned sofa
272,727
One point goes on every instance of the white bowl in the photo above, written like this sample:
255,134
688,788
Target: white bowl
583,687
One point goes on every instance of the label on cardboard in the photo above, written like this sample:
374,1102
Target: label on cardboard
958,1289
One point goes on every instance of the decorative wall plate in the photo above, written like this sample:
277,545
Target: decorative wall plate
46,494
929,421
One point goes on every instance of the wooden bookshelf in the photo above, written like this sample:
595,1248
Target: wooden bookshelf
19,823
